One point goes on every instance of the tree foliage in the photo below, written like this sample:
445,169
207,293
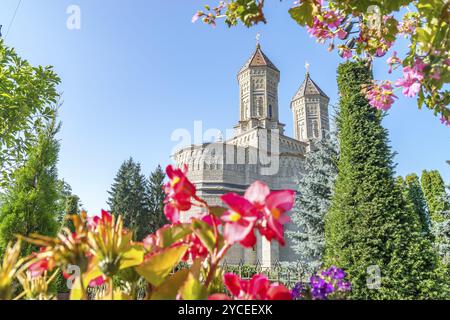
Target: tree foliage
315,190
414,197
31,201
128,198
27,104
368,225
441,232
156,196
434,190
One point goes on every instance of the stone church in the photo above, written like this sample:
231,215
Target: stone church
259,149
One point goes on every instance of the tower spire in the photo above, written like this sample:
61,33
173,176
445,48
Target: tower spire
258,39
307,67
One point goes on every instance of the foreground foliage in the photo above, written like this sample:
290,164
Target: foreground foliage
100,249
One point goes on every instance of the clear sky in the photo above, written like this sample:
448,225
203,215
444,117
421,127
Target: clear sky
138,70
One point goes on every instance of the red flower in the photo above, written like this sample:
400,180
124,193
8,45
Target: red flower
239,220
106,218
272,207
179,191
97,282
258,288
277,204
37,269
196,248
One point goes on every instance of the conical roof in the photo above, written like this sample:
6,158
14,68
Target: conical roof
309,87
258,59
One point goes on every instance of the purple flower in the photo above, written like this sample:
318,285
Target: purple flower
320,289
328,282
298,292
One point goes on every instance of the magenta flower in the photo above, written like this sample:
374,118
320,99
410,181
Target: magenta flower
445,121
257,288
239,220
393,61
412,78
195,17
347,53
381,96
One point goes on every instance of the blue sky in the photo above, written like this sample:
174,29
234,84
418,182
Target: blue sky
138,70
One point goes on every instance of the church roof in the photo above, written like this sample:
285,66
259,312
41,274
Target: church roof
309,87
258,59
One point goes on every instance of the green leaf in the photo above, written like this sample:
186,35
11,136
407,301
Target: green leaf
169,289
304,13
76,293
193,289
205,233
217,211
167,236
157,267
133,257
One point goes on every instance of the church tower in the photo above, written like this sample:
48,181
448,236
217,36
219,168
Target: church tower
258,83
310,109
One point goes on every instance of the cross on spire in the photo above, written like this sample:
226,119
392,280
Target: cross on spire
258,38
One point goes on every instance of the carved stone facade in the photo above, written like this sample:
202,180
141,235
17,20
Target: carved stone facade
259,149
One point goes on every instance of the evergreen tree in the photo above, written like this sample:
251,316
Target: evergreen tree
434,190
156,199
441,232
415,196
315,190
368,228
72,207
31,201
128,198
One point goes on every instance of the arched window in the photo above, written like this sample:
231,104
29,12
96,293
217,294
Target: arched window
270,112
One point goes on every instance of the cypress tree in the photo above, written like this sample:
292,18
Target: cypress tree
128,198
156,199
441,232
369,231
315,189
31,204
415,196
434,190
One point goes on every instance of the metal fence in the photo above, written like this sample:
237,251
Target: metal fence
289,275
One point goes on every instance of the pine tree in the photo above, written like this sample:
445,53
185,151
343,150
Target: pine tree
315,190
434,190
31,204
368,227
128,198
156,199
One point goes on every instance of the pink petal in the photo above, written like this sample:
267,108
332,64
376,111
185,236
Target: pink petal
236,232
281,200
237,203
257,192
172,213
